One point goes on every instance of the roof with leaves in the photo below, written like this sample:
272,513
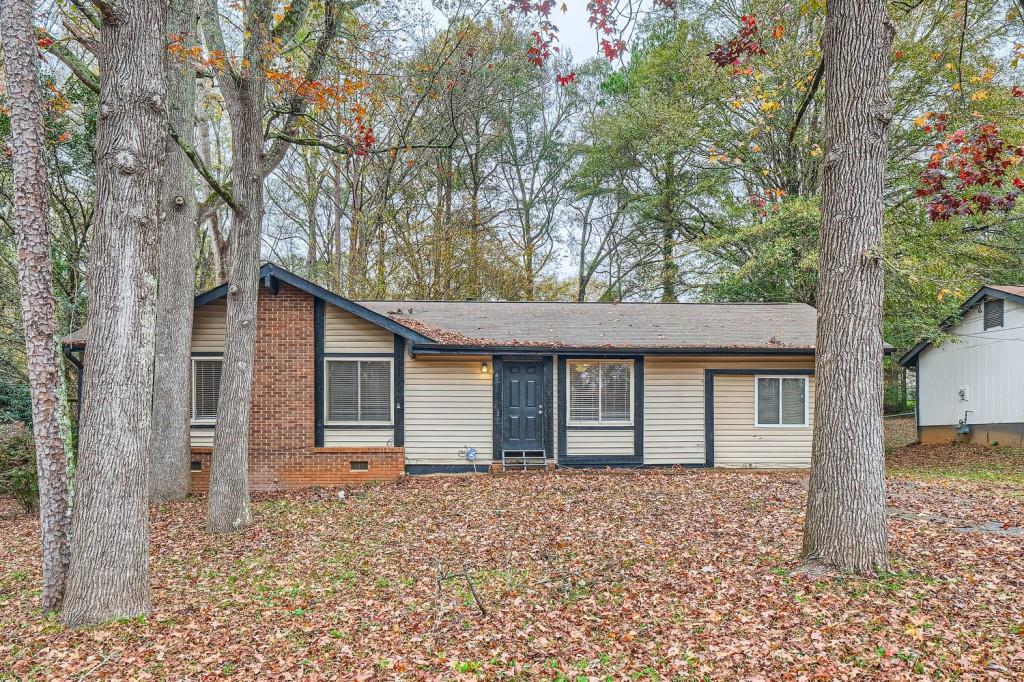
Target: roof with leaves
608,325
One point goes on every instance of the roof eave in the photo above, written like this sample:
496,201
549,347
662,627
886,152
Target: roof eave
271,271
592,351
909,359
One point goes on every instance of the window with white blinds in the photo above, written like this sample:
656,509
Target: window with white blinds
205,388
781,401
358,391
600,391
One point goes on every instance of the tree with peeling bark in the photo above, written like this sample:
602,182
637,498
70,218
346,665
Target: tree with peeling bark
257,148
169,449
846,528
35,283
108,575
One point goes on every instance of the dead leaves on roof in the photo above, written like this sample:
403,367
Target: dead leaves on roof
581,576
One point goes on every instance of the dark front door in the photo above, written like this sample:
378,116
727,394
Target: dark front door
524,405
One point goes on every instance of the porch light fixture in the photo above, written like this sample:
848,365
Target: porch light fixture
484,368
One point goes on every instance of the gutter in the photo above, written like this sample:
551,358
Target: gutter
466,349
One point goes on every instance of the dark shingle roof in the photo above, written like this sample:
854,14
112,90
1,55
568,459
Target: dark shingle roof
608,325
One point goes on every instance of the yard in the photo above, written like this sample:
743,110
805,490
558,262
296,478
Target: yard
577,575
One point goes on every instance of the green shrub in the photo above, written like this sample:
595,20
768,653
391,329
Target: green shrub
15,402
18,465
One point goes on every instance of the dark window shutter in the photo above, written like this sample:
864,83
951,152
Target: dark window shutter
993,313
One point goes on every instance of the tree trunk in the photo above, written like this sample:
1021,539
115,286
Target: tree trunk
170,451
228,507
35,283
846,526
669,267
336,224
109,572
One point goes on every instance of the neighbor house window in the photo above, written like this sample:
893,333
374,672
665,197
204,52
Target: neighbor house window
205,388
600,391
358,391
993,313
780,401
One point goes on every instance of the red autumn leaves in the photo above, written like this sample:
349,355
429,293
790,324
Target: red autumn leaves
966,174
745,44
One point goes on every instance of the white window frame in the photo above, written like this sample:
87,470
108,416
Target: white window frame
192,407
780,425
600,422
359,387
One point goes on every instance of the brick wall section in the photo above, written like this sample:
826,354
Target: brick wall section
318,467
282,452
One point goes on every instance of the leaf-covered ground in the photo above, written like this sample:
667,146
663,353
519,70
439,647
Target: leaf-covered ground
581,576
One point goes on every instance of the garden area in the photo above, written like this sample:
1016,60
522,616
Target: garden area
563,576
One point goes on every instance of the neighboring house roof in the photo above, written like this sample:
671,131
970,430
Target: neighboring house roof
1008,292
75,339
605,326
465,326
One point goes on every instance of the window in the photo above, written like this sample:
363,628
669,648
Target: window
993,313
780,401
358,391
205,388
600,392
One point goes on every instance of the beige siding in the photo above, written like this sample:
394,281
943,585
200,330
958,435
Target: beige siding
201,438
738,443
346,333
447,409
599,442
208,324
346,438
673,411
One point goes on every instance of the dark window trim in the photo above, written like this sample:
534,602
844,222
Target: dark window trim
398,392
564,458
319,366
709,399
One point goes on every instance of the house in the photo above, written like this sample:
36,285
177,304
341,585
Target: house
972,387
346,390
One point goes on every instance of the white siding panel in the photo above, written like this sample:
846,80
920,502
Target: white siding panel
989,364
738,443
201,438
448,408
208,324
346,333
673,411
347,438
599,443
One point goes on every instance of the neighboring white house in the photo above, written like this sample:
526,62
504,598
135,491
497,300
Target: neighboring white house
972,386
